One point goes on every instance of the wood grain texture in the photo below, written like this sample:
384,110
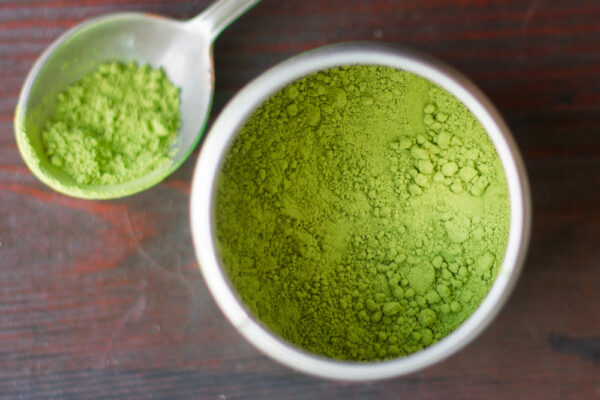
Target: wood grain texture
104,300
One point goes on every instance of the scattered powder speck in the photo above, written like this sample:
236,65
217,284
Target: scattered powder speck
362,213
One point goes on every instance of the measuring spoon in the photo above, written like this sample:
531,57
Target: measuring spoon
183,49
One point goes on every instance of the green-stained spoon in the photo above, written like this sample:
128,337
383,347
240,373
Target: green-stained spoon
183,49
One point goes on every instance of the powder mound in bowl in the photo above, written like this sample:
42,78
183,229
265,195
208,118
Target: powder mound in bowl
114,125
362,213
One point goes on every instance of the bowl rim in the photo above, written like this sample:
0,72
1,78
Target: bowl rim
225,128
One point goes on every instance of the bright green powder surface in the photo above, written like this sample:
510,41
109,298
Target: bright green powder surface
362,213
114,125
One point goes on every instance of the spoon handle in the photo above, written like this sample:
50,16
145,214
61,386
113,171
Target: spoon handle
219,15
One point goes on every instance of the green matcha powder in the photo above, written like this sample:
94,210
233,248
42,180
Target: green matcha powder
362,213
114,125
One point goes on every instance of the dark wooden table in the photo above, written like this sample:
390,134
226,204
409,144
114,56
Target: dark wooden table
104,299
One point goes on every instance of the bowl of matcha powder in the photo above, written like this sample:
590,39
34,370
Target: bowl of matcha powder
360,211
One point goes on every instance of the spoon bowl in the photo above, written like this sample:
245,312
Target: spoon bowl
182,49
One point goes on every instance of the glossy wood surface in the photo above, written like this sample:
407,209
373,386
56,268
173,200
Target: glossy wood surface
104,300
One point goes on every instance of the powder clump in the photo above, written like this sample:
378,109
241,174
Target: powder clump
362,213
114,125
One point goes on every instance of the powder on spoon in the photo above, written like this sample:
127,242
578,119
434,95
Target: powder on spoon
114,125
362,213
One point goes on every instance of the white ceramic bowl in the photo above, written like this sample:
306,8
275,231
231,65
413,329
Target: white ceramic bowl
255,94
